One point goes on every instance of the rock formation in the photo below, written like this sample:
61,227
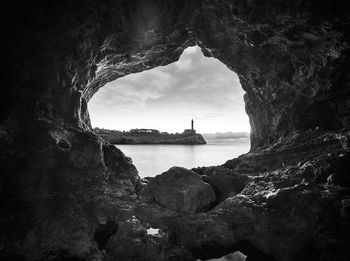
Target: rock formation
66,194
181,190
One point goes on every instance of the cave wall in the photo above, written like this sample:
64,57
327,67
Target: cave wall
292,59
290,56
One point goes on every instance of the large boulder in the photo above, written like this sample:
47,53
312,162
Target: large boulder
180,189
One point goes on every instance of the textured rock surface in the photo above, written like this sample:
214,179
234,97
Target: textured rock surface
226,182
181,190
287,211
60,182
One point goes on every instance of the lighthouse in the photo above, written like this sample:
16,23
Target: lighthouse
190,131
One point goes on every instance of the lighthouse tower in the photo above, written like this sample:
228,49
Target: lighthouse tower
192,130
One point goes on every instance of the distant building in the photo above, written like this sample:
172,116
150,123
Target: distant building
190,131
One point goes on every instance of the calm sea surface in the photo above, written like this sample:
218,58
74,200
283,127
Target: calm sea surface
151,160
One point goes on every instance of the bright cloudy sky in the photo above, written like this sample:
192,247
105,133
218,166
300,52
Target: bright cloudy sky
168,97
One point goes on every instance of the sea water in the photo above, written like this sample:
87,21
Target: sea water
151,160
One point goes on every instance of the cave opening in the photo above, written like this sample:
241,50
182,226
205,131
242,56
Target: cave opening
59,181
161,106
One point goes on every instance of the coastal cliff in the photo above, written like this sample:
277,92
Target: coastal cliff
148,136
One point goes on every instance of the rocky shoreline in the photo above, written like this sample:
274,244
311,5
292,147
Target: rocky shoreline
149,137
251,204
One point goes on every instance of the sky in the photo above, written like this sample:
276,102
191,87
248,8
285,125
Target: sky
168,97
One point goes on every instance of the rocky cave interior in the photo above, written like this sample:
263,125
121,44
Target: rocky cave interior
68,195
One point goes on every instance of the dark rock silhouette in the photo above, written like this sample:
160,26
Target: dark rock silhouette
179,189
226,182
60,183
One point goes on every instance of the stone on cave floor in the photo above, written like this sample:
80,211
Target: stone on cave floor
133,242
180,189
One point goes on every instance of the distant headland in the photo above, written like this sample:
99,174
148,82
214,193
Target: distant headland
151,136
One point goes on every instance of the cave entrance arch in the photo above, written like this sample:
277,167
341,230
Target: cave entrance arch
166,98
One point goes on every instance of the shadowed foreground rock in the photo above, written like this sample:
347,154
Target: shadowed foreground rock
180,189
66,194
226,182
